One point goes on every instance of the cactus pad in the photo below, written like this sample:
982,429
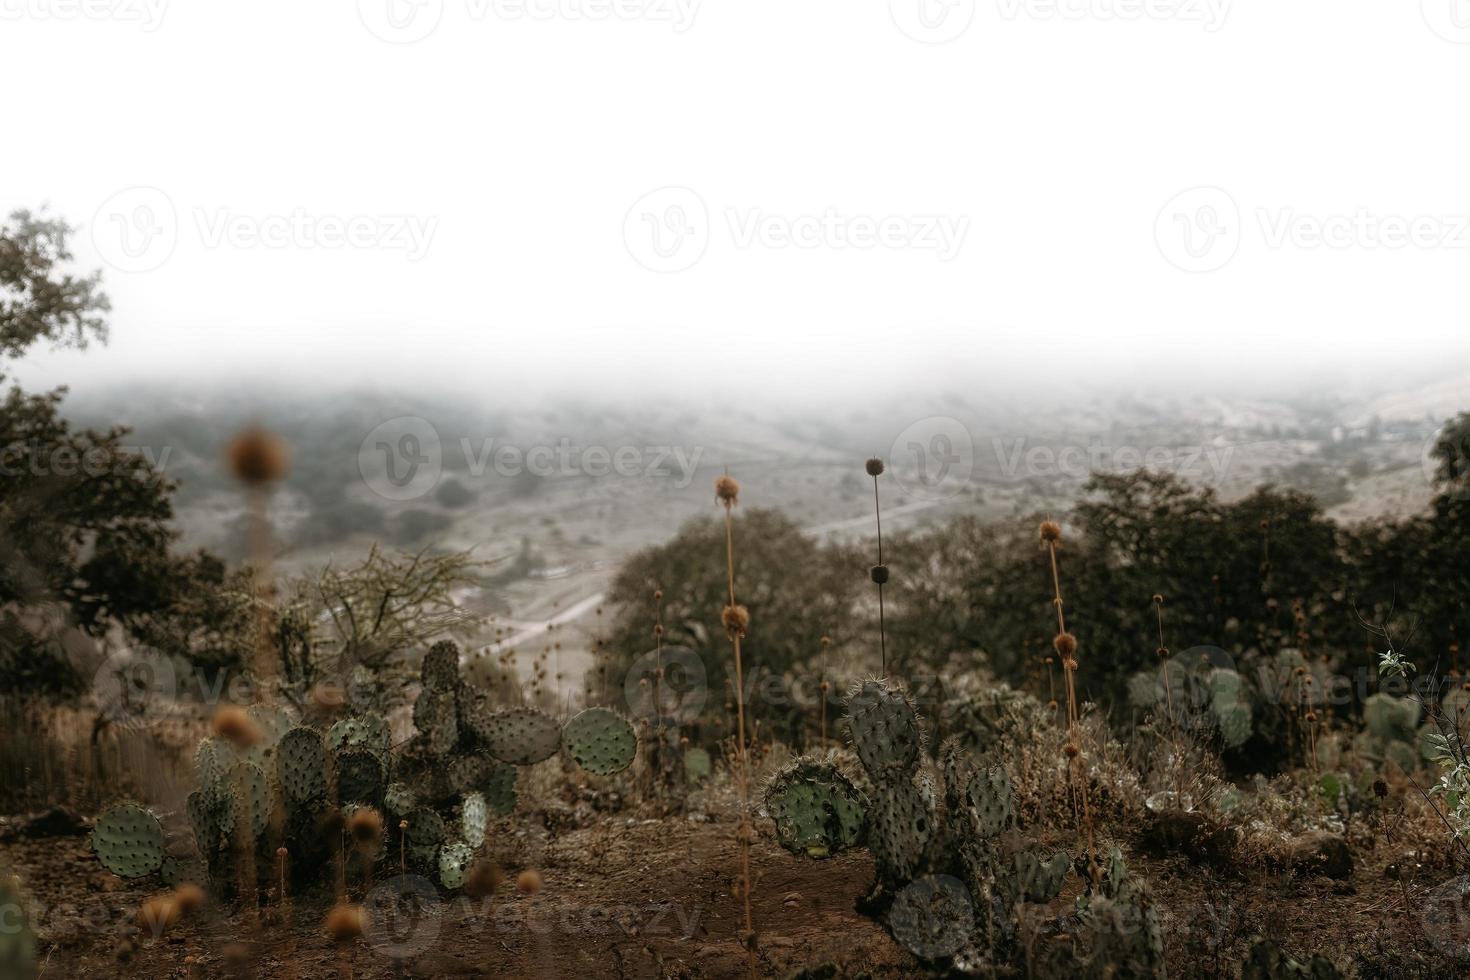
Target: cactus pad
437,719
252,796
988,801
474,819
129,841
359,777
600,741
399,800
440,671
932,917
1235,724
698,766
301,762
454,861
817,810
900,827
369,732
424,837
1038,880
884,728
522,736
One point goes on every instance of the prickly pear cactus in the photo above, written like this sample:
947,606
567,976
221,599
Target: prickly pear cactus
399,800
454,863
884,729
600,741
440,671
366,732
817,810
1266,961
900,827
474,819
273,724
1230,707
212,760
17,938
1235,725
933,917
423,839
987,801
212,817
302,765
1040,881
436,716
129,841
1391,719
522,736
253,802
360,777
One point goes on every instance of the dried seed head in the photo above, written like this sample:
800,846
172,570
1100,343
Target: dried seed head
874,466
344,922
483,880
258,458
658,629
1051,532
1380,788
1051,705
236,726
1072,750
727,491
1163,653
529,882
1311,717
366,826
1066,645
879,574
190,897
1158,599
826,640
736,620
658,595
826,687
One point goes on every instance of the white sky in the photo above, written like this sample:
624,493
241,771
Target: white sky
1055,144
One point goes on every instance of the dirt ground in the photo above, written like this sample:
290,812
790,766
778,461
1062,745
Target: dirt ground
645,898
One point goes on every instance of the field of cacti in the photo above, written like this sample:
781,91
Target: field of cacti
1153,732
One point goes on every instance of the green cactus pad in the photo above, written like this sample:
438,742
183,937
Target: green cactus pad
1390,718
302,767
273,724
474,819
988,801
1235,724
455,859
476,713
900,827
399,800
212,760
424,837
369,732
206,816
440,671
499,789
437,719
817,810
360,777
253,802
522,736
17,937
176,871
600,741
1038,880
698,766
884,729
933,917
128,841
